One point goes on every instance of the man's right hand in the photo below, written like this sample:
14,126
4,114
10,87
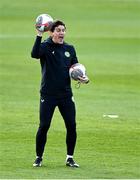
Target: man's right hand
39,33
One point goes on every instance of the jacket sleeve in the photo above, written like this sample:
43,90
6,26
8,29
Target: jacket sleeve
36,50
74,57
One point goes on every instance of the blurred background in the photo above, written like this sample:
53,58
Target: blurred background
106,35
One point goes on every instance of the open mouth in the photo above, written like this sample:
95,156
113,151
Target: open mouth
61,37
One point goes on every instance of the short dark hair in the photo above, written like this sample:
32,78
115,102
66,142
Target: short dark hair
55,24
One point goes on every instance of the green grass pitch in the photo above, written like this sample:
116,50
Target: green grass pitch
106,34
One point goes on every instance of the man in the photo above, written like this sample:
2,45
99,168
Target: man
56,57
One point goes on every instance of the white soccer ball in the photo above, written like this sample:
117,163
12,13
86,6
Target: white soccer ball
43,22
77,70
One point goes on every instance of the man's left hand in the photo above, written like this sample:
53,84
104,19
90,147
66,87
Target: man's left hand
84,79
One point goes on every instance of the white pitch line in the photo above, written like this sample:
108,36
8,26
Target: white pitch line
96,36
111,115
11,36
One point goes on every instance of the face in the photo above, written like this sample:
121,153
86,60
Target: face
58,34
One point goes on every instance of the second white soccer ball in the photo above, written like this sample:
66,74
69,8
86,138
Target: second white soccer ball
43,22
77,70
